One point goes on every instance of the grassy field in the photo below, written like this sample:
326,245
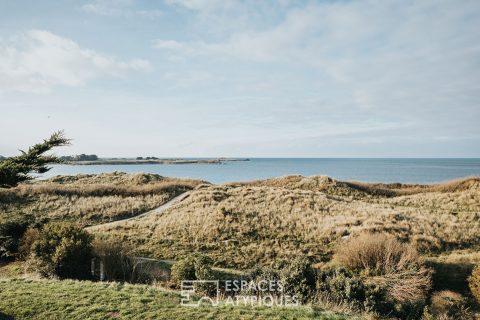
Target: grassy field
91,199
241,225
50,299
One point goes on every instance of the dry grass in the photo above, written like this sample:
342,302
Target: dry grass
362,190
443,301
452,269
91,199
248,223
386,261
376,254
474,283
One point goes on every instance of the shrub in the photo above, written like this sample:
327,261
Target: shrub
388,263
62,250
345,287
27,241
11,231
183,270
389,267
117,265
261,273
376,254
195,267
474,283
203,271
298,279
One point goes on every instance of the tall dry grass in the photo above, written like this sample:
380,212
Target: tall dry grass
92,199
362,190
376,254
389,263
242,224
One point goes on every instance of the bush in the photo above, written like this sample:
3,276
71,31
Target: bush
11,231
114,255
62,250
261,273
298,279
183,270
376,254
195,267
388,263
474,283
344,287
27,241
389,268
203,271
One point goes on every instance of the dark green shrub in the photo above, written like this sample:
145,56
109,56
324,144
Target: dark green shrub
183,270
195,267
262,273
114,255
298,279
203,268
203,271
342,286
11,231
62,250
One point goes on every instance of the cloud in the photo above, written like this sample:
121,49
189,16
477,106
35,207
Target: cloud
203,5
384,55
38,60
188,79
123,8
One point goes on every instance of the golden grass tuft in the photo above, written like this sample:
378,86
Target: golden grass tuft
376,254
387,262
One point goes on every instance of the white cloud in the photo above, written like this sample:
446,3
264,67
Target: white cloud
188,79
169,44
38,60
124,8
382,55
203,5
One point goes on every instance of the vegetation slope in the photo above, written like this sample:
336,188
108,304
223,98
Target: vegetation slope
91,198
243,224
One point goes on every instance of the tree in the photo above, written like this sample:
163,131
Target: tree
17,169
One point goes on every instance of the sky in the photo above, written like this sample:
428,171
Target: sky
231,78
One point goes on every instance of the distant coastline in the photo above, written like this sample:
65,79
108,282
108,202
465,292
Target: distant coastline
153,161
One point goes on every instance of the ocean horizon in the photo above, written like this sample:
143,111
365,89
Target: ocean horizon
385,170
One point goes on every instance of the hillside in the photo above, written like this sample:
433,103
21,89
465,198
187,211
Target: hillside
91,198
243,224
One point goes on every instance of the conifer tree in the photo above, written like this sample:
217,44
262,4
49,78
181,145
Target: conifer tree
17,169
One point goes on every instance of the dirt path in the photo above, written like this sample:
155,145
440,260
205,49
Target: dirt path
157,210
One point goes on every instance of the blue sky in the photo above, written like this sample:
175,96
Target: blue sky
190,78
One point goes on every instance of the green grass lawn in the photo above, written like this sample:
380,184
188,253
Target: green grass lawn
51,299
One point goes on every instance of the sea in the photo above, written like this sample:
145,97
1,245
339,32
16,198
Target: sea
348,169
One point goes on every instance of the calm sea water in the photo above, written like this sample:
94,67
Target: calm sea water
369,170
